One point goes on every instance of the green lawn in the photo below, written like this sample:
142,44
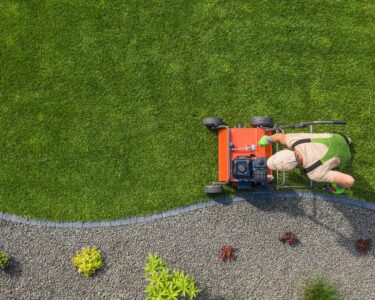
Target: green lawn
101,102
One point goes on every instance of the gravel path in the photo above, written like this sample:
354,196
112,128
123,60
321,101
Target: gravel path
265,268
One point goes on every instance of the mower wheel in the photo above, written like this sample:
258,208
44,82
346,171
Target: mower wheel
212,122
213,189
261,122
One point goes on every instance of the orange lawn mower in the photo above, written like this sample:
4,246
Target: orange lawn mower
242,163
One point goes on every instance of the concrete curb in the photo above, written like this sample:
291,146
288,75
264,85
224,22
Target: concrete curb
252,196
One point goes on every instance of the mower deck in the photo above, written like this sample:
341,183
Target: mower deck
239,142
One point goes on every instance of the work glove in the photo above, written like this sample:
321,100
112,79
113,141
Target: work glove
337,189
264,141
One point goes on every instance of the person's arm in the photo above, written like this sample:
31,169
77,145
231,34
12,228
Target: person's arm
276,138
342,179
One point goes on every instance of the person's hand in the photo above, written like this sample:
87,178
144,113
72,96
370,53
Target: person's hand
337,189
264,141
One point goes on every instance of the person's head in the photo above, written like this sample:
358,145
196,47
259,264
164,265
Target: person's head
284,160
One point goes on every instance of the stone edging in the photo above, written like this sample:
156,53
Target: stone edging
222,200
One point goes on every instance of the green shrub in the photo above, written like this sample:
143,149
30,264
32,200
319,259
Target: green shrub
320,289
88,261
4,260
166,285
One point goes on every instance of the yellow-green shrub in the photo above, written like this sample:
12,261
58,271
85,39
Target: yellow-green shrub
166,285
88,261
4,260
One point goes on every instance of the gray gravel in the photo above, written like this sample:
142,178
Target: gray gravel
265,268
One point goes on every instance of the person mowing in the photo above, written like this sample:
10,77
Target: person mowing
318,154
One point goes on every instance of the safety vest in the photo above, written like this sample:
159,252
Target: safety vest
337,147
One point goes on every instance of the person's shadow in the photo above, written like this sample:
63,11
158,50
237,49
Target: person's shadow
361,226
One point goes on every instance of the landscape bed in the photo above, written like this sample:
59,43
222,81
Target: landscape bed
263,268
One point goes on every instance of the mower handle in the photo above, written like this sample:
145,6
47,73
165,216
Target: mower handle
304,124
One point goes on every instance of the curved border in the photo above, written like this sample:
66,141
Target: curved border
174,212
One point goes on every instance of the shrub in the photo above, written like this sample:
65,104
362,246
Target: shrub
88,261
227,253
363,245
320,289
290,238
4,260
166,285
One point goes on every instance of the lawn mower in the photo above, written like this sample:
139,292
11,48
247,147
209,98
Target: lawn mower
242,163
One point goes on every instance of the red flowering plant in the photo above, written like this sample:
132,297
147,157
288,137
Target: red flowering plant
227,253
363,245
290,238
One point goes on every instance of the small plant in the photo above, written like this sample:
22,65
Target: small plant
227,253
166,285
290,238
364,245
88,261
4,260
320,289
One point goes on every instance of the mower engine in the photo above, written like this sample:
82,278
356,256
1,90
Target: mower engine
248,168
242,162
